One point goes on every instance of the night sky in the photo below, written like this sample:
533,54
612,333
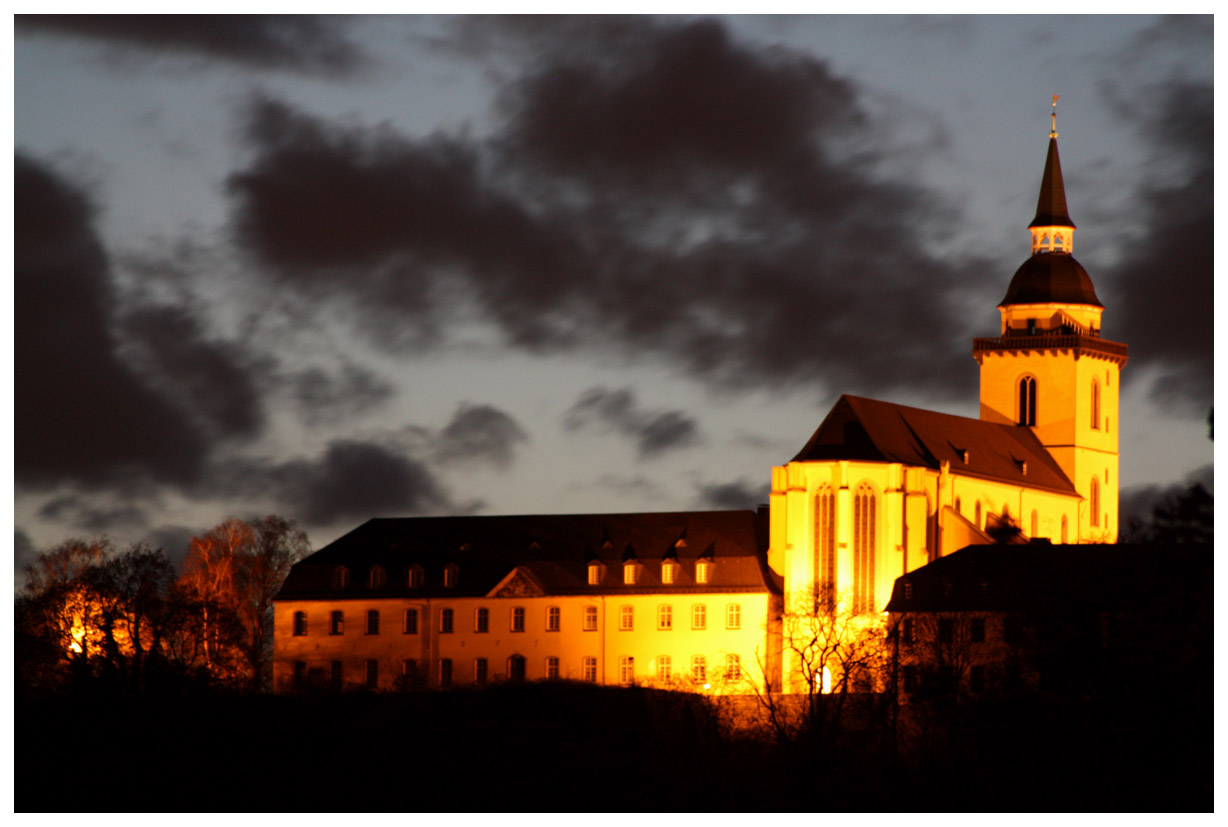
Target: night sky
345,268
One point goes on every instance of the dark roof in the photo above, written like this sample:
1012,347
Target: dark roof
1043,576
1051,277
874,431
554,548
1051,206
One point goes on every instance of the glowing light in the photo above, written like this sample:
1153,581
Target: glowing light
78,635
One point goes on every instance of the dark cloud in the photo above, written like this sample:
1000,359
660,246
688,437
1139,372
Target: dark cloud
654,432
209,376
83,512
24,553
480,433
328,398
80,413
298,43
1165,283
174,540
1136,503
663,190
352,480
740,494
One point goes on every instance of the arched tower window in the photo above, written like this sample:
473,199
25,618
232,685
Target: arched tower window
1094,502
825,547
1095,405
1027,400
864,525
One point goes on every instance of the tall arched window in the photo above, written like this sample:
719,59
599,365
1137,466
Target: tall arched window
824,547
1095,406
1094,502
865,524
1027,400
1035,524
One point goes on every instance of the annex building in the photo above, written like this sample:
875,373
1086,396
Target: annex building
695,599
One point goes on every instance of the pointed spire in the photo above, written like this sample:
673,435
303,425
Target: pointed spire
1051,207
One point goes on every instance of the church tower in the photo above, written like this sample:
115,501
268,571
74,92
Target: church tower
1050,370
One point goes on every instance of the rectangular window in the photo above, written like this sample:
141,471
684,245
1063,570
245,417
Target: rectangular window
702,571
300,675
594,574
336,623
373,622
445,621
699,616
300,624
733,667
626,669
908,591
699,668
518,619
449,576
590,669
665,618
410,622
480,671
667,573
334,675
626,618
481,621
946,630
372,673
552,669
553,614
630,573
978,630
445,672
733,616
590,618
664,667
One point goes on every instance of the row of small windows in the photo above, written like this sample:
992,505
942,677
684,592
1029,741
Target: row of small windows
633,570
958,630
377,576
481,619
515,670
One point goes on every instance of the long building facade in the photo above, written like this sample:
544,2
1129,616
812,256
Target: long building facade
696,599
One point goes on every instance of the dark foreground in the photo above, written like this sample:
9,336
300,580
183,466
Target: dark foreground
563,747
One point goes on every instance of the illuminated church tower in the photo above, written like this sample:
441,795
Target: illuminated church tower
1049,369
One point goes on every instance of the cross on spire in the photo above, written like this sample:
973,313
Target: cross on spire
1053,118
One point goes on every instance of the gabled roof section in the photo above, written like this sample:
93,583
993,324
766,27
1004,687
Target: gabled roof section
872,431
520,582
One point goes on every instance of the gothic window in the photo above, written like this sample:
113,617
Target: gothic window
1095,407
824,546
864,526
1094,502
1027,400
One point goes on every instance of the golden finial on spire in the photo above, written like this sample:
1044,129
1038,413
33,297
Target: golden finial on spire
1053,118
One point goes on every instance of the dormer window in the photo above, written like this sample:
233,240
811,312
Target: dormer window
594,573
631,572
668,571
416,576
703,571
450,574
341,578
376,577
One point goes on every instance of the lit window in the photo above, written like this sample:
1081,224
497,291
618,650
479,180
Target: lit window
373,622
336,623
341,577
664,667
376,577
480,671
445,672
552,669
481,621
825,547
865,525
300,624
450,574
518,619
334,675
410,623
416,576
594,574
590,669
733,616
665,617
733,668
552,618
372,673
590,618
445,621
703,570
1094,502
699,616
515,668
667,572
300,675
630,573
626,669
626,618
699,668
978,630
